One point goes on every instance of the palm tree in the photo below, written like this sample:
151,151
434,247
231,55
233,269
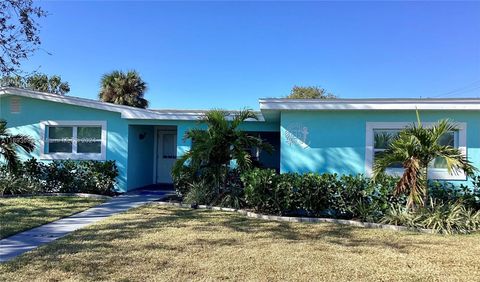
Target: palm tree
123,89
416,147
37,82
213,149
43,83
9,144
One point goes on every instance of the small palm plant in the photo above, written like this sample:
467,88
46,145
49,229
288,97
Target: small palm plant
9,144
213,149
416,147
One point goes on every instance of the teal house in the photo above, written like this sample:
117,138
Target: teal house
336,136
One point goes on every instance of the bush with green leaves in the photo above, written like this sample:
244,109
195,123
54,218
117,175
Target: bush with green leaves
448,193
314,194
442,217
199,194
216,153
269,192
65,176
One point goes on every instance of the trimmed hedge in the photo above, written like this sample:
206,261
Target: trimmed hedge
64,176
346,196
313,194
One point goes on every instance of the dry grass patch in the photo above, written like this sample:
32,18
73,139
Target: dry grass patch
167,243
23,213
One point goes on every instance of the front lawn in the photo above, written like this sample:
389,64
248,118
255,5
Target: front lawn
23,213
167,243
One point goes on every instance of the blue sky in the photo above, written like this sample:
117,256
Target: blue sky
229,54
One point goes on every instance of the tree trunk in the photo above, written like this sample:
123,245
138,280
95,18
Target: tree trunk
425,187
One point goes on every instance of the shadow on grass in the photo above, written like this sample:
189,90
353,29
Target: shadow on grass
98,243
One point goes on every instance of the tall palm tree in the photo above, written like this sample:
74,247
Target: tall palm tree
213,149
37,82
123,89
43,83
416,147
9,144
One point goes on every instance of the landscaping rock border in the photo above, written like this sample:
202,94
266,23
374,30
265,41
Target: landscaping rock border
83,195
302,219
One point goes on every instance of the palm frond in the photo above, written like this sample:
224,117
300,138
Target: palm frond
242,116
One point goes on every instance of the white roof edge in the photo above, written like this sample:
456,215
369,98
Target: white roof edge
370,104
126,112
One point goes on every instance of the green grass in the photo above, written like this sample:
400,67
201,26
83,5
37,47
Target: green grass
23,213
174,244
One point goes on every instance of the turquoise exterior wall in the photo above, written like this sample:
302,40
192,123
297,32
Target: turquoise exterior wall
310,141
141,156
182,126
33,111
336,140
141,153
134,156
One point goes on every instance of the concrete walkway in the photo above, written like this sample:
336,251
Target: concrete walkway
28,240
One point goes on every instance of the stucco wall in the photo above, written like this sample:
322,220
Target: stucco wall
141,155
32,111
335,140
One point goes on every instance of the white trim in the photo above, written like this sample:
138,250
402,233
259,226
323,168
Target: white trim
369,104
158,129
73,156
126,112
434,173
155,157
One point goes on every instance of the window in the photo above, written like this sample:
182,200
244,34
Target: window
169,149
382,139
73,140
380,135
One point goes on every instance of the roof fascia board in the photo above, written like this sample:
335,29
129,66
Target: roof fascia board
125,111
369,104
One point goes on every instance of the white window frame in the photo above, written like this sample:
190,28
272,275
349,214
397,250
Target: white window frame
73,156
433,173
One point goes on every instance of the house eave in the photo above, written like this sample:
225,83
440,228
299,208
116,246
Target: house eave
369,104
126,112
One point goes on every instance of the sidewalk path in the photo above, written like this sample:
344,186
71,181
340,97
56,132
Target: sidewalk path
28,240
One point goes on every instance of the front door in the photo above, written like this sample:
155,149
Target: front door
166,155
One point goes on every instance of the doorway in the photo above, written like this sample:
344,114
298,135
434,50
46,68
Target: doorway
166,155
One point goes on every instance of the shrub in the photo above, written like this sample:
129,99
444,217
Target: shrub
183,179
448,218
199,193
348,196
61,177
318,194
445,218
233,197
448,193
399,215
12,185
258,185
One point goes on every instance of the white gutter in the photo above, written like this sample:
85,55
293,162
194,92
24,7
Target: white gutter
369,104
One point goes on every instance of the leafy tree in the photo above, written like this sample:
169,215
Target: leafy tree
38,82
9,144
43,83
310,92
124,89
416,147
215,148
19,32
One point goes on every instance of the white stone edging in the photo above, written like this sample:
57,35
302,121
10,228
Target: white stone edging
303,219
